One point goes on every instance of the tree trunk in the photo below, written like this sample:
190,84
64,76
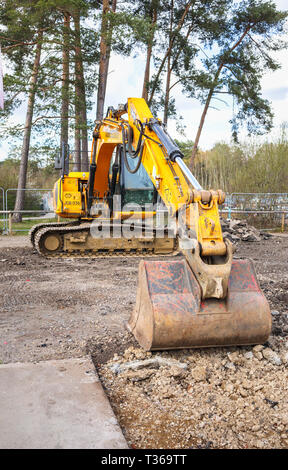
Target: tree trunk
78,123
167,93
81,138
168,52
148,56
108,53
65,81
84,143
78,93
77,147
169,70
196,142
20,197
105,49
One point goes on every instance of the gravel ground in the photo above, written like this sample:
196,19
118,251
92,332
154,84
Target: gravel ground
214,398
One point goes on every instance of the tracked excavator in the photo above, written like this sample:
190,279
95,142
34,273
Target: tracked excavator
201,297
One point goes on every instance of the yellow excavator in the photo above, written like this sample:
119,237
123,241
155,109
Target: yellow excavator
199,298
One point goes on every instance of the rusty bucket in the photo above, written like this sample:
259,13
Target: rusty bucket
169,313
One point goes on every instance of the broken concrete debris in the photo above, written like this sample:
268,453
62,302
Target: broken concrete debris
239,230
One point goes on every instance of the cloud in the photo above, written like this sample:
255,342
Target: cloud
276,94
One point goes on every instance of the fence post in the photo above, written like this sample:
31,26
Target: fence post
3,217
10,223
229,205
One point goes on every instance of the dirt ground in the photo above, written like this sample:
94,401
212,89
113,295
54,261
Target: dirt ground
215,398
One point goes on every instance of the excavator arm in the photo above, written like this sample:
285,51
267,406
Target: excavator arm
206,298
144,138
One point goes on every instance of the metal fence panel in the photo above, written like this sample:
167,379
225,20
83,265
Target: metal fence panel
257,203
236,203
6,228
3,206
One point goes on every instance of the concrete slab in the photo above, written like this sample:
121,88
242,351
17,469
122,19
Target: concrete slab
57,404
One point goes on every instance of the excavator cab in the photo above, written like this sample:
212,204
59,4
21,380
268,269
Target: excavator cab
136,188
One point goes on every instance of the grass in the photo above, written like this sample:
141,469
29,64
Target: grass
22,228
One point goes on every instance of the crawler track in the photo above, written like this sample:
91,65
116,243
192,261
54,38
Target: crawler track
67,240
38,227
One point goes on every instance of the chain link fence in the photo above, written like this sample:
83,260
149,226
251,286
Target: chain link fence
265,210
259,209
2,205
40,206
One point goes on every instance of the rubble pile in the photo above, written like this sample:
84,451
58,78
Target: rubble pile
236,230
212,398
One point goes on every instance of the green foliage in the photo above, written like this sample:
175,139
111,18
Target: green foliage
8,179
186,148
39,176
244,167
221,48
252,31
18,43
181,36
129,31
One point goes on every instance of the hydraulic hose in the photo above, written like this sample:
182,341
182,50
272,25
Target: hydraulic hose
133,153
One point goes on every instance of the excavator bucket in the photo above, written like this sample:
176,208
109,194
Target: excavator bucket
169,312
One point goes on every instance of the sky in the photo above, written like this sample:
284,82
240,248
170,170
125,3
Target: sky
126,80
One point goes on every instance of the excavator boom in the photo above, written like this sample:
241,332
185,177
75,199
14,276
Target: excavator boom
204,298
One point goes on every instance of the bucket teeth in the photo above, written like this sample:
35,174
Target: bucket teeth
170,314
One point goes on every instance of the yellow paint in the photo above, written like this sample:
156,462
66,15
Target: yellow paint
166,176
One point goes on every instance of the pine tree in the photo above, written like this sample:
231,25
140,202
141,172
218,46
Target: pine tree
19,204
33,24
42,25
250,35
